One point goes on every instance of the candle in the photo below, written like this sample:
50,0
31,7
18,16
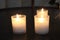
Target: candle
41,22
18,23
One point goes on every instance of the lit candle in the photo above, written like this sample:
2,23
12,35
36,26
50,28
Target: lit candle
41,22
18,23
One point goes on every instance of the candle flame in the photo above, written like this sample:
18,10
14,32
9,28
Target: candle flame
40,13
42,9
17,17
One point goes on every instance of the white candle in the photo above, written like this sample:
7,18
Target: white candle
18,23
41,22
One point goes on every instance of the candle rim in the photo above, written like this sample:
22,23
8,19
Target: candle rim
20,15
40,16
43,9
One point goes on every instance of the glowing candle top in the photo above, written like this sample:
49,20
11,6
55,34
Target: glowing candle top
18,17
42,10
42,13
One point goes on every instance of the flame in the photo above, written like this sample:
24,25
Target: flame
42,9
17,17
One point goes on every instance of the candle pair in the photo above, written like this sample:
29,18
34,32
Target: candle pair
41,22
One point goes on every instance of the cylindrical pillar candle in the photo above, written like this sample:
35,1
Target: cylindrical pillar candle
18,23
41,22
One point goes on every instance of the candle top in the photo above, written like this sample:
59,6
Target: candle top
42,12
42,9
18,16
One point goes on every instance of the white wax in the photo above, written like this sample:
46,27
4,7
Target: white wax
19,24
41,25
41,22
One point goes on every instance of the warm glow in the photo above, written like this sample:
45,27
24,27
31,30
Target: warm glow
41,20
42,10
19,23
18,17
42,15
